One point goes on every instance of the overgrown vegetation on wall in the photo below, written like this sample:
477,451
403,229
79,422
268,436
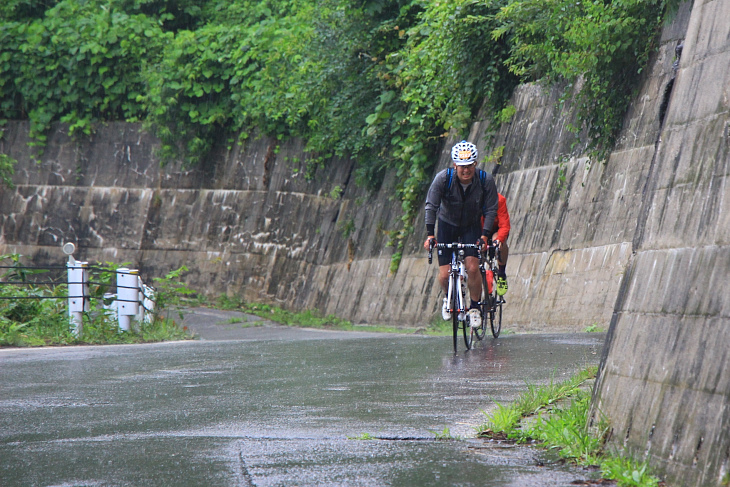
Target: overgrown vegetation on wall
381,81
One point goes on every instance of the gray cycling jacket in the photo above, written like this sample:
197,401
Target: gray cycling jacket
455,206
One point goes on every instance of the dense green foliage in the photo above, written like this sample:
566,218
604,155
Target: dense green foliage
604,44
7,169
381,81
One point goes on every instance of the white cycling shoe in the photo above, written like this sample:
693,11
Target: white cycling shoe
475,318
445,313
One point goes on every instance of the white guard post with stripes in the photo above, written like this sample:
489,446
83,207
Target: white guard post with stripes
128,292
78,293
134,299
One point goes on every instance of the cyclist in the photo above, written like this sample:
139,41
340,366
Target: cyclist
460,197
500,231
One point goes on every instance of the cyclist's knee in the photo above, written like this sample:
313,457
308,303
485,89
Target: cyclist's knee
444,275
472,264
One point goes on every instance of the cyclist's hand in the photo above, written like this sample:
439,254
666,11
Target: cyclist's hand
497,243
485,243
429,243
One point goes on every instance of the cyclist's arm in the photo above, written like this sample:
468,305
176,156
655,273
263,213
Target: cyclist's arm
433,201
502,225
489,208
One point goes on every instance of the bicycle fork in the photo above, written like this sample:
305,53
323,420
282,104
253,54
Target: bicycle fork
456,285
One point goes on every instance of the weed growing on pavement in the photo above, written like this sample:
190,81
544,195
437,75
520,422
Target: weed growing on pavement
241,322
503,420
535,398
594,328
565,430
628,472
363,436
556,416
444,435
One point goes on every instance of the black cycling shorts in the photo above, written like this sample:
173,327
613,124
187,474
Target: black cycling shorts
452,234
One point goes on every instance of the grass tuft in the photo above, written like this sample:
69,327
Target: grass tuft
444,435
363,437
557,416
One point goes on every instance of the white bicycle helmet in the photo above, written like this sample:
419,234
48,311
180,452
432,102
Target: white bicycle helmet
464,153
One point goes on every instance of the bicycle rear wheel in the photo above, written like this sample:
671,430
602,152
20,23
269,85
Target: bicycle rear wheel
495,309
496,320
483,307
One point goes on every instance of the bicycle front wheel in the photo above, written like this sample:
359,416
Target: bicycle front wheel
493,308
468,334
455,312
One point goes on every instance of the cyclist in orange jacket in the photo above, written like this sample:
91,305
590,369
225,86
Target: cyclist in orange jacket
500,233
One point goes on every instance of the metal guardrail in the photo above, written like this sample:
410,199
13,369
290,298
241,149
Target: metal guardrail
134,300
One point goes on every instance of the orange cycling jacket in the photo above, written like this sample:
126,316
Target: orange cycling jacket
501,222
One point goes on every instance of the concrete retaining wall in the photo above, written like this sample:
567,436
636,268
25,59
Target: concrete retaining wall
664,379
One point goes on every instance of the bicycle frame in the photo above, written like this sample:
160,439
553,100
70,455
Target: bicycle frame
457,275
456,294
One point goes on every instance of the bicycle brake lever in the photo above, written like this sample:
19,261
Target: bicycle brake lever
430,250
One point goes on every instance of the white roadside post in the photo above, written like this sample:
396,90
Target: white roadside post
147,298
78,289
127,297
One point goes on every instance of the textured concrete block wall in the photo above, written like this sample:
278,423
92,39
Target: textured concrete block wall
664,380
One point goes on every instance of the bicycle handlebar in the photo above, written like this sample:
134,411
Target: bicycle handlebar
457,246
452,246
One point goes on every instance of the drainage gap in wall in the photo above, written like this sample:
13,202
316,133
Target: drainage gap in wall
697,451
668,89
648,443
268,163
665,102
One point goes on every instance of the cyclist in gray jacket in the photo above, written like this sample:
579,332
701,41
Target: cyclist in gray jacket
464,199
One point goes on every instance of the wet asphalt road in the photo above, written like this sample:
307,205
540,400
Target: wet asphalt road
273,405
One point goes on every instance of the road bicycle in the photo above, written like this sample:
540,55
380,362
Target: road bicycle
492,302
457,297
